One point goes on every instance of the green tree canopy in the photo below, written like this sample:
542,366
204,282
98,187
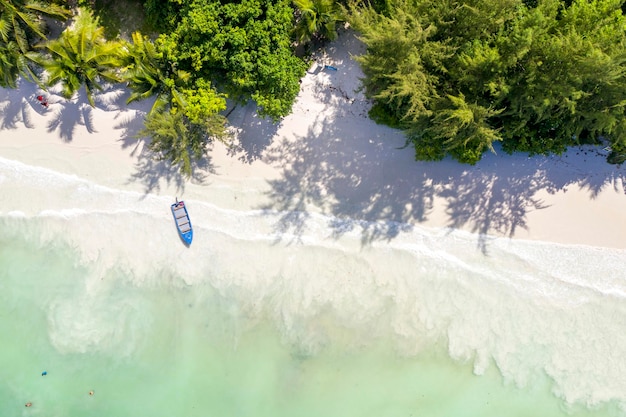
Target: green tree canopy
244,48
458,75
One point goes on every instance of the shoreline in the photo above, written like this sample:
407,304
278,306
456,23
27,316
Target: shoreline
327,156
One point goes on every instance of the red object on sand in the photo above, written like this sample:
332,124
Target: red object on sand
43,101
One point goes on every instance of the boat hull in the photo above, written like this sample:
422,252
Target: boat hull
182,221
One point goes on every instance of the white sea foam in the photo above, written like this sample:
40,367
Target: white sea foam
525,307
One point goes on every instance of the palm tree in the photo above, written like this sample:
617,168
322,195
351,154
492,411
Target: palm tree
20,24
149,73
82,56
173,139
185,116
11,63
317,20
21,19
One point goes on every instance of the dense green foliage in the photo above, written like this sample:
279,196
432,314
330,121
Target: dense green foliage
179,139
243,47
20,26
458,75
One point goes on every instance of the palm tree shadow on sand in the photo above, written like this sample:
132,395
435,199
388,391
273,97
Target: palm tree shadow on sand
366,183
75,112
251,133
152,172
68,116
357,173
18,105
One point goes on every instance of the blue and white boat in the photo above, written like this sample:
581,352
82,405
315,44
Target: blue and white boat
183,224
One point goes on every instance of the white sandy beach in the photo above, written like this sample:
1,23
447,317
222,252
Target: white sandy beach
325,157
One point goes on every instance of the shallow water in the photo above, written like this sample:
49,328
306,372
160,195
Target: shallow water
251,322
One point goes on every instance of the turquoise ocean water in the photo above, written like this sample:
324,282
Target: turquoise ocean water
97,290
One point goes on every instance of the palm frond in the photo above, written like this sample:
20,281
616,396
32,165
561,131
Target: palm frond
32,22
49,9
5,29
